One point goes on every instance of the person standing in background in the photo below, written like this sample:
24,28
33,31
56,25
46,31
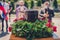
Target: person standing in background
3,17
6,7
48,10
20,10
10,10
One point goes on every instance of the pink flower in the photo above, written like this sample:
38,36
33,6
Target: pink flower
54,28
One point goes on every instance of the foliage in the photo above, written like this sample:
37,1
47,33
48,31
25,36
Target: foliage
29,30
55,4
39,3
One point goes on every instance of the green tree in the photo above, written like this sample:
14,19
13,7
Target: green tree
55,4
29,3
15,0
39,3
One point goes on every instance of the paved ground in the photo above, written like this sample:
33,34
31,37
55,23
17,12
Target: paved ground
57,23
6,36
56,34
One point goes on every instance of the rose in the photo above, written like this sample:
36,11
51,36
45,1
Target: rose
49,24
10,29
54,28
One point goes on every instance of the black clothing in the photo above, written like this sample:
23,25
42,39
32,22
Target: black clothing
50,12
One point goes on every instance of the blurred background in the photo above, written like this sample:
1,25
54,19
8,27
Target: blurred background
36,4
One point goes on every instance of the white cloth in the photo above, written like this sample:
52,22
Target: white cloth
1,13
6,6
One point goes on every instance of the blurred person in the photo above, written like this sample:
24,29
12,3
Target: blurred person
20,10
43,12
6,7
48,10
10,10
3,17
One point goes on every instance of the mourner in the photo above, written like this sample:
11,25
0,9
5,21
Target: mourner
20,10
10,10
6,7
48,10
3,17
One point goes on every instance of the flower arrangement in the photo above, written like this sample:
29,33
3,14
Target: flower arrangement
31,30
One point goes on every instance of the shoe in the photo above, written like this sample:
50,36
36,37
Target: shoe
7,32
2,32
